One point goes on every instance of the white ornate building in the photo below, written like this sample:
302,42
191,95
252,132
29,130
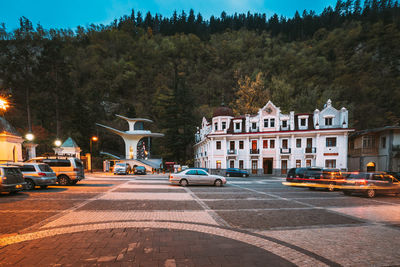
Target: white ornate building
271,142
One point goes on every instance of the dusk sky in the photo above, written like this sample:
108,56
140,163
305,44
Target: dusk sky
72,13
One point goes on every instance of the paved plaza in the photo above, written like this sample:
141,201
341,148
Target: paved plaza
109,220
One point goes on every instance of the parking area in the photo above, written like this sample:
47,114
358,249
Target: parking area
144,221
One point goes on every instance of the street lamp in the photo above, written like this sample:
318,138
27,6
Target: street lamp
4,104
57,143
29,136
93,139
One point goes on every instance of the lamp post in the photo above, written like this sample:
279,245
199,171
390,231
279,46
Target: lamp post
93,139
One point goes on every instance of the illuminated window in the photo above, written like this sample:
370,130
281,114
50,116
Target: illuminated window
330,163
298,163
265,143
218,164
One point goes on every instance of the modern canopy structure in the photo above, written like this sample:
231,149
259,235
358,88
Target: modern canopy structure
133,135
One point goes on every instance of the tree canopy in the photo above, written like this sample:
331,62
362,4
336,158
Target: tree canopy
177,70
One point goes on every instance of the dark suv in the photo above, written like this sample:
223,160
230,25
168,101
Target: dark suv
371,184
301,174
11,179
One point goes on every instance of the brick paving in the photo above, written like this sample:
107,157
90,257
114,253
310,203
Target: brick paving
143,221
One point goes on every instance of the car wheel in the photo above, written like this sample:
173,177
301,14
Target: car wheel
183,182
218,183
30,185
227,175
331,187
43,186
347,193
371,193
63,180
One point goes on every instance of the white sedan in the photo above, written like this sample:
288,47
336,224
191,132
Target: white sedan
196,176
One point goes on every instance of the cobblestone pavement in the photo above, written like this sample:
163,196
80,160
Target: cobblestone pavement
131,220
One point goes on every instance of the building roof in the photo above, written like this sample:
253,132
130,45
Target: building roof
375,130
69,143
5,126
223,111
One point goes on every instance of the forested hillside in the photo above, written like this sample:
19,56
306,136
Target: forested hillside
177,70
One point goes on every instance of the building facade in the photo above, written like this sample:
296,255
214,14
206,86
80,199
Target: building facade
375,149
271,142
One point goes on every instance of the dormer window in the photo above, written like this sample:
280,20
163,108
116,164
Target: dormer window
216,126
266,123
329,121
223,125
237,126
272,123
284,124
254,125
303,122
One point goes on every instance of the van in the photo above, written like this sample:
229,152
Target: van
69,170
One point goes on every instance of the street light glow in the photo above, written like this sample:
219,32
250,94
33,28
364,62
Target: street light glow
57,143
29,136
4,104
95,138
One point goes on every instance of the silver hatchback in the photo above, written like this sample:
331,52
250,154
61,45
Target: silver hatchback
38,174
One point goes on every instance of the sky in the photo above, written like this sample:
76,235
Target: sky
73,13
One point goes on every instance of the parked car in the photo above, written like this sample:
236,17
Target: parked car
38,174
231,172
69,170
196,177
11,179
139,170
122,168
371,184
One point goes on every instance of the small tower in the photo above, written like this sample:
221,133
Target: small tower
133,135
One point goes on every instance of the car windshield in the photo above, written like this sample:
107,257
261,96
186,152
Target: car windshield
120,165
78,163
140,168
45,168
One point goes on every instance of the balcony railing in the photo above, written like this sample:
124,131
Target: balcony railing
310,150
254,151
286,150
231,151
363,151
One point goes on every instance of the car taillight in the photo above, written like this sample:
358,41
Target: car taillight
171,177
297,176
76,170
41,174
321,176
362,182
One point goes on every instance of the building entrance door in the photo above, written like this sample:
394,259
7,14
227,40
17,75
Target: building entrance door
267,165
284,166
254,166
